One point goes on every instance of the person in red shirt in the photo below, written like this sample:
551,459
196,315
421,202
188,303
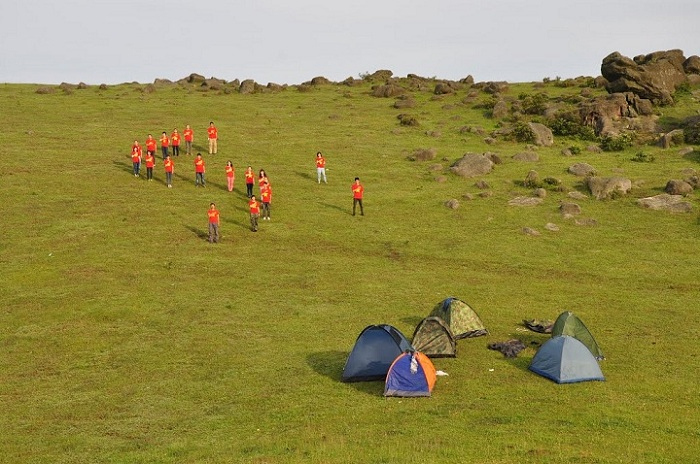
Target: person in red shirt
175,142
249,181
262,179
266,197
213,135
213,214
169,169
136,159
254,213
136,146
320,168
150,162
199,170
151,144
230,175
164,144
357,193
189,138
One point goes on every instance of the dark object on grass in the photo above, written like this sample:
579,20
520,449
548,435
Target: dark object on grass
510,349
539,325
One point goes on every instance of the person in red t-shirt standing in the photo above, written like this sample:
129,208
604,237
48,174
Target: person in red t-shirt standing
254,213
213,135
164,144
230,175
357,193
175,142
199,170
151,144
213,214
169,169
150,162
189,138
266,197
249,181
320,168
136,159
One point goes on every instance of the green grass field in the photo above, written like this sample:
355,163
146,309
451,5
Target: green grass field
127,338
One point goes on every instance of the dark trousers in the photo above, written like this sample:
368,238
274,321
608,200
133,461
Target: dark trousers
249,190
355,202
149,173
165,151
176,150
266,210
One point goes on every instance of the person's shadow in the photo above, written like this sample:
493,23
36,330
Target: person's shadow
201,234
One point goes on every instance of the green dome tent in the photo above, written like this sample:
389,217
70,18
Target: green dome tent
434,338
569,324
460,318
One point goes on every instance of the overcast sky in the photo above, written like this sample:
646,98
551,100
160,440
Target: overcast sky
287,41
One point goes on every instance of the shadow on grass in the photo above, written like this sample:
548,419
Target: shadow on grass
304,175
204,235
124,166
242,225
413,321
331,363
336,207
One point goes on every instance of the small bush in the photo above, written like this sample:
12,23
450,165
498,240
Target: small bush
533,104
616,143
642,157
692,134
574,150
522,132
408,120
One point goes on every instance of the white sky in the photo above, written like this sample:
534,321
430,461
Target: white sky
292,41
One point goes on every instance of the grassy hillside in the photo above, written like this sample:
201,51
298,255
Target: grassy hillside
126,337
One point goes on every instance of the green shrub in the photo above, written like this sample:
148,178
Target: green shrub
642,157
617,142
522,132
565,126
533,104
692,134
574,150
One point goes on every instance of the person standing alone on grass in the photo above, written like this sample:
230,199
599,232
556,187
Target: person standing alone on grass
230,175
213,214
175,142
254,213
151,144
199,170
136,159
150,162
169,169
213,135
249,181
189,138
357,193
164,144
320,168
266,197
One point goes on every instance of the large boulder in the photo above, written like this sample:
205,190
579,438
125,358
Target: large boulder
678,187
692,65
472,165
543,134
612,113
582,169
607,187
666,202
654,76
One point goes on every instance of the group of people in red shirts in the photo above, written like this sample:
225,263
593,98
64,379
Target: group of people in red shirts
256,206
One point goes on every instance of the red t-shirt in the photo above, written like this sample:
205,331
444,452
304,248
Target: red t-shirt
189,135
254,207
135,156
357,191
137,148
229,171
150,144
150,161
320,162
168,165
164,141
266,193
199,165
249,177
211,132
175,138
213,216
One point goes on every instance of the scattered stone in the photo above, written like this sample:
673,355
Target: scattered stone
482,185
486,194
526,157
452,204
543,134
472,165
586,222
44,90
423,154
532,179
686,151
435,167
576,195
666,202
525,201
468,196
569,209
441,179
530,231
551,227
606,187
582,169
540,193
678,187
